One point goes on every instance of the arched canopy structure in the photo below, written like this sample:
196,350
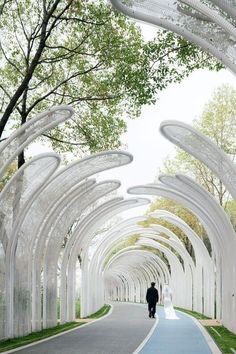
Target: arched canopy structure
39,205
50,215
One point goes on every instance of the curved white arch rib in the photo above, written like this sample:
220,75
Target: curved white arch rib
73,209
160,229
177,272
224,228
113,241
228,6
39,205
132,267
181,249
205,150
29,131
171,241
122,230
19,189
65,306
189,268
195,240
100,255
136,263
200,211
53,230
142,276
205,25
13,200
35,267
204,263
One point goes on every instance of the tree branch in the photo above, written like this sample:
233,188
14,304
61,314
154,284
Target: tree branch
77,19
31,69
53,91
21,22
63,141
169,52
3,5
9,61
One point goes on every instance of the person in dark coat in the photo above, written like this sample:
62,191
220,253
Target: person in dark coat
152,298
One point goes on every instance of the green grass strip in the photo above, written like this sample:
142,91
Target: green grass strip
225,340
35,336
102,312
13,343
197,315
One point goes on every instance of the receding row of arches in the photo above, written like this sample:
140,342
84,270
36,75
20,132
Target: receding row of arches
50,216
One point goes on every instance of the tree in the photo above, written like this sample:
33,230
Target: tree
84,54
10,171
230,208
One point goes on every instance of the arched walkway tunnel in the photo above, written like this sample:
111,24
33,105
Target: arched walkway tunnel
51,217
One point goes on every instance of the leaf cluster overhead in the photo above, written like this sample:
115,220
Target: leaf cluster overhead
84,54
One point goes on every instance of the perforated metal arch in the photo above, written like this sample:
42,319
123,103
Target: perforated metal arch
38,206
204,149
23,136
201,22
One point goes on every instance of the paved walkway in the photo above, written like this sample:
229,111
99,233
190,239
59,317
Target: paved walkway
119,333
124,330
179,336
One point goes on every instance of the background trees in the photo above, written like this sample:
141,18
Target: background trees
84,54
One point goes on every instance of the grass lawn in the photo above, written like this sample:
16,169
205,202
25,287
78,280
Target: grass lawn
35,336
102,312
225,340
45,333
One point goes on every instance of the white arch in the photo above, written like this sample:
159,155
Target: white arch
209,28
29,131
204,264
13,200
204,149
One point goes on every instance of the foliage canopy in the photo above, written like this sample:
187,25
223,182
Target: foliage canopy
84,54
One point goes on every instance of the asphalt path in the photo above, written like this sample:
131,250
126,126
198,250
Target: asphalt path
119,333
178,336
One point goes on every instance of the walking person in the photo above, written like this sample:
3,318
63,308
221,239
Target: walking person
168,305
152,298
